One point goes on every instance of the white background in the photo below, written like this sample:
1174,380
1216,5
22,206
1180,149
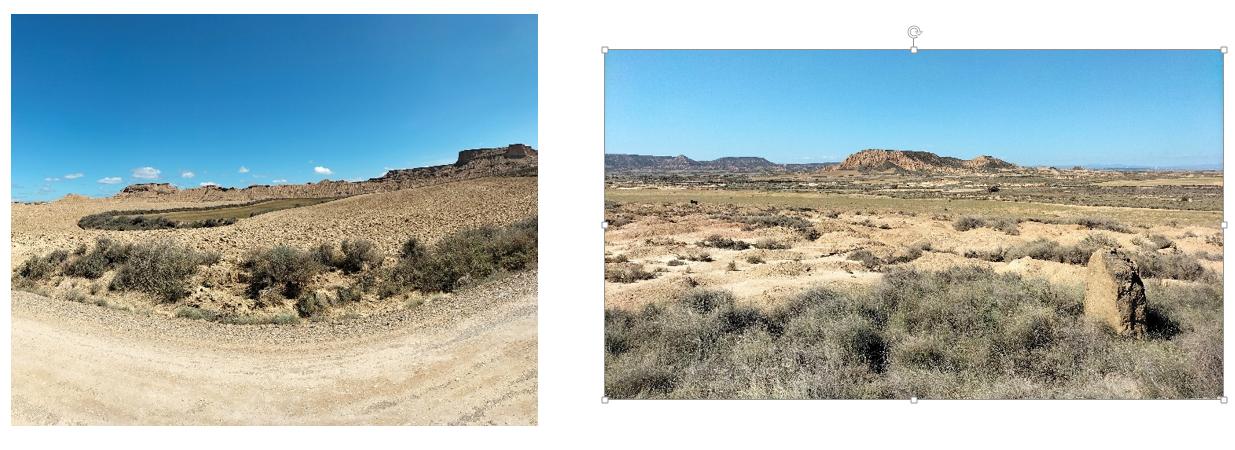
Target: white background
570,135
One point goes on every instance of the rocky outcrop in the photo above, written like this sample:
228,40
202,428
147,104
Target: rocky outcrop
1114,293
513,160
144,190
918,161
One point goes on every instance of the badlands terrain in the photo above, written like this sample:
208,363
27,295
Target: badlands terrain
405,299
902,274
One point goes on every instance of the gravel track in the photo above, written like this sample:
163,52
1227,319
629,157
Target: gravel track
469,359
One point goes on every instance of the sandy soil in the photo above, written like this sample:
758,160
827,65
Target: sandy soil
468,360
664,230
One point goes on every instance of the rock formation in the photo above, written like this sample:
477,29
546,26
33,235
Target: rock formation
513,160
1114,293
917,161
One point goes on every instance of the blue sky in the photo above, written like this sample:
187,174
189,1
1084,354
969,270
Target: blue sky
101,102
1064,108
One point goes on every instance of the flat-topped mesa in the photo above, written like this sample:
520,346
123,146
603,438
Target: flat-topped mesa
512,151
512,160
876,160
147,190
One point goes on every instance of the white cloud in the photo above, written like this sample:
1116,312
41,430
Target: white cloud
187,174
147,173
280,180
322,170
74,176
243,169
51,179
207,183
109,180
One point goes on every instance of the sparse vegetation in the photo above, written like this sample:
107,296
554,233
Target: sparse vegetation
162,269
718,241
282,267
464,258
771,244
960,333
1004,224
627,273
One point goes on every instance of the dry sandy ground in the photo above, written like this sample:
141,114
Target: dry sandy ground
386,218
469,360
663,232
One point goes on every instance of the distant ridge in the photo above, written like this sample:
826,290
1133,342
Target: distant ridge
512,160
619,163
874,160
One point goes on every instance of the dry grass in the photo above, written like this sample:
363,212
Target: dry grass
960,333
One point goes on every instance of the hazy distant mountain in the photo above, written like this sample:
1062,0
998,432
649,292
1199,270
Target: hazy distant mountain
918,161
618,163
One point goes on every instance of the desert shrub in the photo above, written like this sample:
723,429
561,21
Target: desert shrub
616,259
310,304
162,269
697,255
965,332
284,319
770,244
115,252
754,259
41,267
280,266
627,273
802,226
1209,256
1158,242
1174,265
196,313
1007,225
463,258
358,254
992,255
967,223
704,301
1101,223
868,259
732,267
349,294
412,250
1004,224
718,241
91,265
325,254
675,262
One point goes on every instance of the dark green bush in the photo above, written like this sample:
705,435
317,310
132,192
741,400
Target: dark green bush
357,255
463,258
718,241
279,266
627,273
162,269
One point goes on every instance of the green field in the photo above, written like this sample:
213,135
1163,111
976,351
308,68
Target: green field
241,211
190,217
1143,216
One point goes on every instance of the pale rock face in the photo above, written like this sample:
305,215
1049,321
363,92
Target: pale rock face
915,161
1114,293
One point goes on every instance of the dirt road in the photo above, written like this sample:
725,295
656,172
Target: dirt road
468,359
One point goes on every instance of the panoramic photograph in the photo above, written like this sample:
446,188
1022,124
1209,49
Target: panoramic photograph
896,225
274,220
